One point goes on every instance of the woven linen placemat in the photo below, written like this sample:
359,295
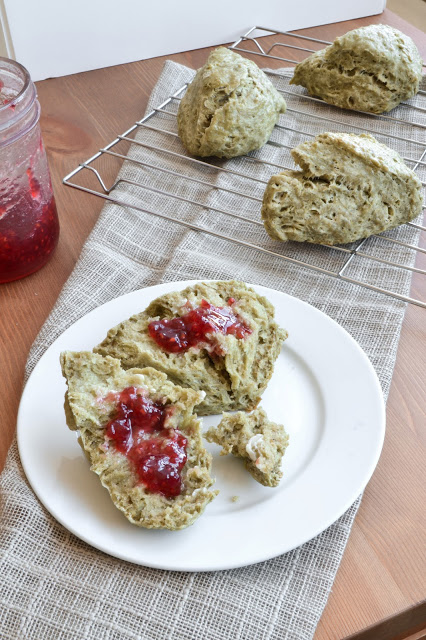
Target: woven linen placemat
54,586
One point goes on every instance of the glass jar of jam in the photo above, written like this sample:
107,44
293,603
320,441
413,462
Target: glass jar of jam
29,226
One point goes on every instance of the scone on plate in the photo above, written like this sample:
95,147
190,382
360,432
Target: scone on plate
142,439
349,187
370,69
260,442
229,109
220,337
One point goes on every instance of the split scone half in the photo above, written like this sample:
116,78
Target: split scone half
260,442
142,439
369,69
220,337
349,187
229,109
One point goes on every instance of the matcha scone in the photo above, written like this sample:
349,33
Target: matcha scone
260,442
229,109
219,337
349,187
370,69
140,435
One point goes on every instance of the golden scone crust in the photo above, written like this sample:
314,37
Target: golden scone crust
229,109
89,407
234,380
349,187
260,442
371,69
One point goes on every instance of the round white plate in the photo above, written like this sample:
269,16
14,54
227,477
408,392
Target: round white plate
324,390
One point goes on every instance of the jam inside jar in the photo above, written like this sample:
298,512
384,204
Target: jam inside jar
29,226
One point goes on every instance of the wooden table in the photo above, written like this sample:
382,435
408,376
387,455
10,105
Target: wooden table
383,571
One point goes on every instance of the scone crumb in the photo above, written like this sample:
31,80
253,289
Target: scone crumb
258,441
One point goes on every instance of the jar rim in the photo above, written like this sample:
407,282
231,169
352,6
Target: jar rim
26,79
20,113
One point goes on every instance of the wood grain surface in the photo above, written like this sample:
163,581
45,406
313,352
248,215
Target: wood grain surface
383,571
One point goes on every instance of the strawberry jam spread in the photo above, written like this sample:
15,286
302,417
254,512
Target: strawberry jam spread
29,231
156,452
29,226
199,325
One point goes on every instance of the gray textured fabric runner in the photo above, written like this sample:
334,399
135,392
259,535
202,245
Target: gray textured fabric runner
52,585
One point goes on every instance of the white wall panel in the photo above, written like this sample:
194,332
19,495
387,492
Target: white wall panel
54,37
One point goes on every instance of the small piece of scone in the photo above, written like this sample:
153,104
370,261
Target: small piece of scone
349,187
370,69
260,442
219,337
229,109
141,438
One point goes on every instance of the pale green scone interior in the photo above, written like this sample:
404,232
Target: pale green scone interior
233,380
260,442
349,187
89,406
371,69
229,109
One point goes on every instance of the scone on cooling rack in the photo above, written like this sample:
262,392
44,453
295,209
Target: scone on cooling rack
258,441
140,435
370,69
229,109
220,337
349,187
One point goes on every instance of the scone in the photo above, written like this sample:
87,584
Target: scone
219,337
349,187
140,435
370,69
260,442
229,109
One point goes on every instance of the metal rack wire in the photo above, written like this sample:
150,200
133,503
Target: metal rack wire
160,159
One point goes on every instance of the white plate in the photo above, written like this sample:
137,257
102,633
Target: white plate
324,390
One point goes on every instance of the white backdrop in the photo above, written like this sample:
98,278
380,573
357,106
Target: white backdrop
54,37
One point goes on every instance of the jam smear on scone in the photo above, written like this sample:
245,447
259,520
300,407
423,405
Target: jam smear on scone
139,431
179,334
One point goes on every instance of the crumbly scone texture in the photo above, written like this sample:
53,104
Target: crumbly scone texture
234,380
229,109
349,187
260,442
370,69
89,406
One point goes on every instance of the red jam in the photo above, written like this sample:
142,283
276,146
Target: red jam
29,231
197,326
139,431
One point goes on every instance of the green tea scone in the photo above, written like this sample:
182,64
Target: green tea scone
370,69
260,442
349,187
141,438
229,109
219,337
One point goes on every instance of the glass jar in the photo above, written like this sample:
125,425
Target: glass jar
29,226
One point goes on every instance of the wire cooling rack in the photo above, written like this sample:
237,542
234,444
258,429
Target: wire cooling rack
164,157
